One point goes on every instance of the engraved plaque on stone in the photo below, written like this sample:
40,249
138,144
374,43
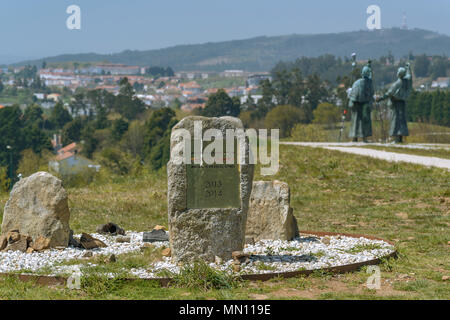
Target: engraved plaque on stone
213,186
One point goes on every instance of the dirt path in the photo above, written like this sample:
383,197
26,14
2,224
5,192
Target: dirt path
383,155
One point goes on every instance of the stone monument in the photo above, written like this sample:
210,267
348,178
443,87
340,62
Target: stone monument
207,203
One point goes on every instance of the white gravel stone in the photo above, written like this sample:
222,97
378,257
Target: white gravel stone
14,260
266,256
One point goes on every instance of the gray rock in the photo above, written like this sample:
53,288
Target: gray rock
37,207
20,245
123,239
155,235
74,242
239,257
197,229
110,228
3,242
89,242
270,215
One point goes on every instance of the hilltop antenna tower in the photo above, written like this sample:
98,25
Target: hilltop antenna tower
404,21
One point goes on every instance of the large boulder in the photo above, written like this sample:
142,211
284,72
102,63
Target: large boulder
270,215
38,207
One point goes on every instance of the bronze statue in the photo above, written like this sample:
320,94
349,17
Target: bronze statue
397,94
361,101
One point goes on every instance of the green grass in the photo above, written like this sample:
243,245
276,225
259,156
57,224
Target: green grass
418,133
264,266
330,191
438,153
200,276
364,247
24,96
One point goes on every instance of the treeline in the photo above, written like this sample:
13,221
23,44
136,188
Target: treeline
20,131
290,98
118,132
160,72
261,53
431,107
434,67
332,69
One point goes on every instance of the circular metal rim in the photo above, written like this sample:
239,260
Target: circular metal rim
58,280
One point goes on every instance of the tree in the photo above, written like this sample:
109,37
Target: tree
437,107
4,179
11,135
297,89
126,103
316,92
33,115
115,160
118,128
160,154
284,118
157,137
221,104
19,133
421,66
1,86
133,139
89,141
446,109
101,121
71,131
176,104
250,104
60,116
327,113
77,104
282,85
266,102
29,163
439,67
36,139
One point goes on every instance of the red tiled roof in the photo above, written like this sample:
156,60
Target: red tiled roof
65,155
67,152
68,148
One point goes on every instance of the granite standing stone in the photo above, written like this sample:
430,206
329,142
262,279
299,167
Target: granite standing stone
270,215
38,207
207,204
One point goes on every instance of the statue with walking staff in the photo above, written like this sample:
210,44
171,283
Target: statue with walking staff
361,103
398,94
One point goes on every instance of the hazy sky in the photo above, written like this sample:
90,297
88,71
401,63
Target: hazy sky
37,28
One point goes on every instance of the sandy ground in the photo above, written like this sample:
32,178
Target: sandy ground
384,155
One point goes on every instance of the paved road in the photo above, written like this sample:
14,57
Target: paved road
384,155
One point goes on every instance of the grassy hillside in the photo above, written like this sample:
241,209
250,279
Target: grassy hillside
262,53
330,191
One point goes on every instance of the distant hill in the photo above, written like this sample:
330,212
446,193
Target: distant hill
262,53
